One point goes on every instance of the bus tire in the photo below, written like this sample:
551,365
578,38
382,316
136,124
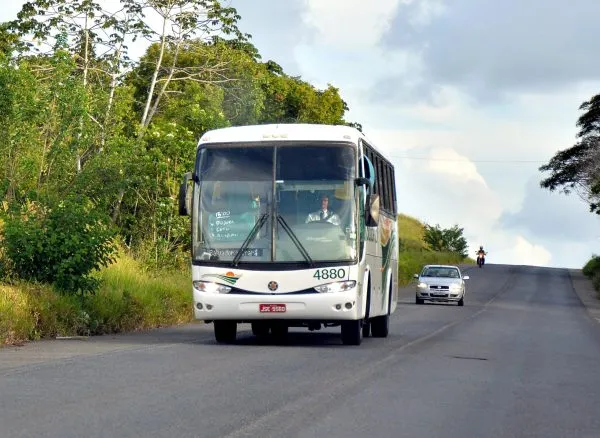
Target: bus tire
352,332
279,332
366,327
260,329
225,331
380,326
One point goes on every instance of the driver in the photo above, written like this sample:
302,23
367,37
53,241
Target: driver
324,214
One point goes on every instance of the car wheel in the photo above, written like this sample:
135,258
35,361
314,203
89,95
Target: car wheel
352,332
225,331
419,300
461,302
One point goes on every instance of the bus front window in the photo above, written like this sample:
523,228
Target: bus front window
303,196
316,197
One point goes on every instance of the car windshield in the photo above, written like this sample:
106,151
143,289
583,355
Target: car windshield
440,272
279,204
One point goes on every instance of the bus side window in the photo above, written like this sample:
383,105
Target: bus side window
369,170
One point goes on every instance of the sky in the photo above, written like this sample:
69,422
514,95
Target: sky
467,97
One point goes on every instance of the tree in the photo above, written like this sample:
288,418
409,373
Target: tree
446,240
181,21
578,167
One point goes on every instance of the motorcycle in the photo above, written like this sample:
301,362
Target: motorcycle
480,259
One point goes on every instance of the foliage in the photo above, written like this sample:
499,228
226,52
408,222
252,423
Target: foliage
578,168
446,240
592,270
130,298
61,245
592,266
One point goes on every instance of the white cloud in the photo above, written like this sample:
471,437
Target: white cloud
526,253
350,23
449,162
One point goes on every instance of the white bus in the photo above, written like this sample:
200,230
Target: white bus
263,250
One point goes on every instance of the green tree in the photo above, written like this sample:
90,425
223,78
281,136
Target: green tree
446,240
577,169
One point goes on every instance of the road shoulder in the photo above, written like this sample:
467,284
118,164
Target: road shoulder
585,291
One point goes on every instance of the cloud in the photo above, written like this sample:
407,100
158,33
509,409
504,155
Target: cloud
349,24
276,29
526,253
492,50
552,217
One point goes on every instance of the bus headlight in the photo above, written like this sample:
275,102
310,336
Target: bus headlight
338,286
210,287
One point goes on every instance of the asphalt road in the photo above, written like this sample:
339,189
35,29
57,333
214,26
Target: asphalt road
520,359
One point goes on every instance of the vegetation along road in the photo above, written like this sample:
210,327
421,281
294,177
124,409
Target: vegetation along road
520,359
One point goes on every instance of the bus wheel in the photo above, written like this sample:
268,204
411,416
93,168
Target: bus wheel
366,329
225,331
352,332
279,332
380,326
260,329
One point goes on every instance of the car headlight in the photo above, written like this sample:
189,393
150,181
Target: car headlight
422,286
210,287
455,287
338,286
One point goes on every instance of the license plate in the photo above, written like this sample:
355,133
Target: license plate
271,308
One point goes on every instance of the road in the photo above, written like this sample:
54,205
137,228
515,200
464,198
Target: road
520,359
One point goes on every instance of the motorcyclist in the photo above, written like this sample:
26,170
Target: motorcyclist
481,255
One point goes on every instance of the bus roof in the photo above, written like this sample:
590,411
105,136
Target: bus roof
284,132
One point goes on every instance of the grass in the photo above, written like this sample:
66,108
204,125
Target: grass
130,298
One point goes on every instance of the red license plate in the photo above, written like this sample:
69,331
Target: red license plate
271,308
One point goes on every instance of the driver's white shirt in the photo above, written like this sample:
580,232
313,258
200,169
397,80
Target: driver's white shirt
328,216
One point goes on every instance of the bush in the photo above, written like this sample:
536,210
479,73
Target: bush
61,245
592,267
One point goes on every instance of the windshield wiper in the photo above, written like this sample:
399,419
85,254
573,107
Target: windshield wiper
253,232
296,241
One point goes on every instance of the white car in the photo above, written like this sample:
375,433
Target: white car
442,283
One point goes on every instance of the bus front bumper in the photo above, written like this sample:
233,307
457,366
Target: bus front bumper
248,307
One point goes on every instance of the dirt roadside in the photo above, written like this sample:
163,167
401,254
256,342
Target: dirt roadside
583,288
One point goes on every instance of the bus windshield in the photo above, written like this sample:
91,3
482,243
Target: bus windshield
292,203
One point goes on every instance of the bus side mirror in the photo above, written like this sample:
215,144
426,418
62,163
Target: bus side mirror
358,182
184,204
372,210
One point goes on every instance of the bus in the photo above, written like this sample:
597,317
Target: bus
292,225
